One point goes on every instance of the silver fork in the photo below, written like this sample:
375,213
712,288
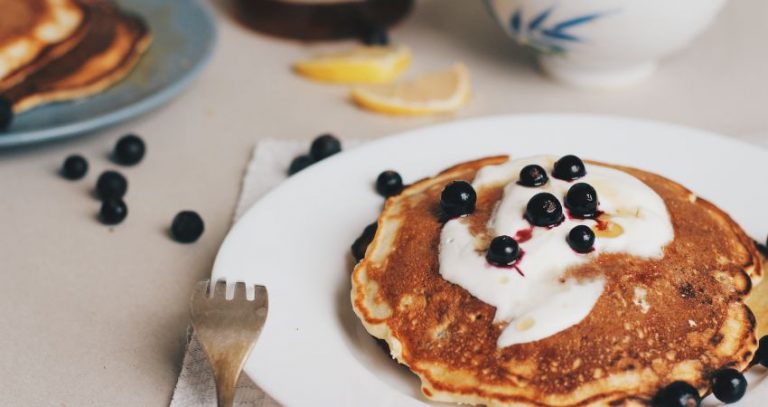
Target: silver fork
227,330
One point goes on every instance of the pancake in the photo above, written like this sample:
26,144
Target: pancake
111,47
758,303
48,53
619,354
27,27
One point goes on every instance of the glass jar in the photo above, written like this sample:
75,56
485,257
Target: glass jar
311,20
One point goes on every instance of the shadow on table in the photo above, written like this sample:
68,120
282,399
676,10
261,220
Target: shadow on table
227,7
469,25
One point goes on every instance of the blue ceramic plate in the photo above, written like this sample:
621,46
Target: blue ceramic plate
184,34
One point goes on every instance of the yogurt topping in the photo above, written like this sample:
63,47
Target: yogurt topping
535,299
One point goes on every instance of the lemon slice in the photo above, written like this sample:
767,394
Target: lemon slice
436,92
374,64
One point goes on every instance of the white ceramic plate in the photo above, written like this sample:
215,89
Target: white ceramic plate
314,352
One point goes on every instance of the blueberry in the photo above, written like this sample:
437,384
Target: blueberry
299,163
187,226
113,211
533,176
544,210
375,35
361,243
129,150
458,198
761,355
6,113
503,251
324,146
569,168
74,167
729,385
111,184
762,248
581,239
581,200
389,183
677,394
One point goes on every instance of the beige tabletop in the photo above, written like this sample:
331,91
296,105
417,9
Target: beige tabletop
96,316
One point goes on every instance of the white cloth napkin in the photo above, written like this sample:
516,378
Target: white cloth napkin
195,387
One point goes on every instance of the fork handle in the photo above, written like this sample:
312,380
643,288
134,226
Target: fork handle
226,376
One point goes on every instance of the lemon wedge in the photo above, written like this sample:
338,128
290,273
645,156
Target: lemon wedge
372,64
437,92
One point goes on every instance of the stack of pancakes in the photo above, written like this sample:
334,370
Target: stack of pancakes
57,50
620,354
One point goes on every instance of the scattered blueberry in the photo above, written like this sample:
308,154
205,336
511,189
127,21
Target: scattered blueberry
361,243
113,211
111,184
581,200
389,183
533,176
581,239
729,385
569,168
299,163
503,251
458,198
544,210
762,248
74,167
129,150
761,355
6,113
677,394
376,35
187,226
324,146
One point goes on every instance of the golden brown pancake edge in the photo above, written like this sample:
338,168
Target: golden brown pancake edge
111,47
29,27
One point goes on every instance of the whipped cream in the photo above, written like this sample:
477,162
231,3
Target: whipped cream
534,298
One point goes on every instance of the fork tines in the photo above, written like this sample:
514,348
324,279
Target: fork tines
230,291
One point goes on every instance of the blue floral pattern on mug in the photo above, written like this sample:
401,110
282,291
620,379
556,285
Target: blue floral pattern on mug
546,36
